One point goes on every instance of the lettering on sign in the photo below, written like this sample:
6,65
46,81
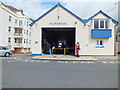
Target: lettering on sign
58,23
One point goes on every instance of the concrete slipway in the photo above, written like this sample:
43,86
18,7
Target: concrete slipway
73,58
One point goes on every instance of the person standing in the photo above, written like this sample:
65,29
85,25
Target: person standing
77,49
49,48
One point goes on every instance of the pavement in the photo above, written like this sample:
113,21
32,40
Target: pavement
73,58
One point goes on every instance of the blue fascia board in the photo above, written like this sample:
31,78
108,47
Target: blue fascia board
85,20
36,54
53,9
101,33
82,20
114,21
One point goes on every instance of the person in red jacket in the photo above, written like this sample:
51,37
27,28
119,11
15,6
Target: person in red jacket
77,49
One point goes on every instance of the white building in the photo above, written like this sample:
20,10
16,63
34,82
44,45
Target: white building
15,31
96,35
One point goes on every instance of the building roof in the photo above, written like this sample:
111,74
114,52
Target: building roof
82,20
101,12
13,9
53,9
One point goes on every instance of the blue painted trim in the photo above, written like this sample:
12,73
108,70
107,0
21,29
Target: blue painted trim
85,20
82,20
101,33
36,54
53,9
100,47
97,55
114,21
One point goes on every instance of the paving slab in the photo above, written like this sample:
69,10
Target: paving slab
63,58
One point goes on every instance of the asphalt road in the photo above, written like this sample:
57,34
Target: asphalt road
21,72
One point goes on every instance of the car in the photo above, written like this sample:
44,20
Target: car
5,51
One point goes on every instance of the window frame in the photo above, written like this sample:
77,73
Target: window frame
10,18
106,26
9,29
99,43
9,39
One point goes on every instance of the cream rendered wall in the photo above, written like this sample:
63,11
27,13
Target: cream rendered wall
83,33
45,22
91,49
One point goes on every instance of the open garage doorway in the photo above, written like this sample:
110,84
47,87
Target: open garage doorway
63,39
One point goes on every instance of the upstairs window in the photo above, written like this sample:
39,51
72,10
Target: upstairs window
96,24
10,18
15,40
20,23
27,23
100,24
16,21
24,40
9,40
27,32
9,29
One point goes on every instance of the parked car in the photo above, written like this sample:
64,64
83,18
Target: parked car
4,51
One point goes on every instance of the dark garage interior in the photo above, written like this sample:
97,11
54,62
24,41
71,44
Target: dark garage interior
60,38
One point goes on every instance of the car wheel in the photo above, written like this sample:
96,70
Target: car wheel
7,54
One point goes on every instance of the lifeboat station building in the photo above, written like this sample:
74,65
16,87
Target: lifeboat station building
59,26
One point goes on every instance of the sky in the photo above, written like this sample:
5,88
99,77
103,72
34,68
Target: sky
82,8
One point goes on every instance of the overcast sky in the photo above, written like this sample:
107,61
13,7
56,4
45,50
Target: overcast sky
82,8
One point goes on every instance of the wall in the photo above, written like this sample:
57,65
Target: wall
83,33
117,47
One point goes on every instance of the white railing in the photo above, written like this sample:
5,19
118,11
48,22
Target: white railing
18,44
18,34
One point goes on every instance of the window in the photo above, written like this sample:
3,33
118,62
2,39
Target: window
100,24
20,23
10,18
20,40
27,32
27,23
29,41
5,48
24,40
30,33
99,43
24,31
96,24
9,39
106,24
15,40
9,29
15,21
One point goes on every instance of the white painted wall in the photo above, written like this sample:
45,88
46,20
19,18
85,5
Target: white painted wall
5,12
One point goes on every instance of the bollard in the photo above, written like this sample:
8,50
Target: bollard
64,51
